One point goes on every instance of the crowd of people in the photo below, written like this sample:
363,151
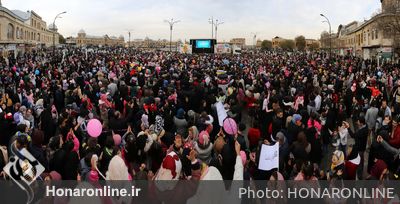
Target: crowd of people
334,117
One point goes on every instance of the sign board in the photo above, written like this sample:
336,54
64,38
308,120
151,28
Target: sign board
221,112
269,157
386,49
11,47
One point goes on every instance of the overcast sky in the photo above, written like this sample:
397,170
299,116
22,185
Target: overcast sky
269,18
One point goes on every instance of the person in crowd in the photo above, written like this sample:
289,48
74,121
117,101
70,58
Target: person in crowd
361,138
159,117
337,169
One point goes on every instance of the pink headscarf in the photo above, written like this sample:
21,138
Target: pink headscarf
103,98
71,136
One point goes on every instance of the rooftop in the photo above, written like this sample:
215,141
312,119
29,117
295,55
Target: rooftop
22,14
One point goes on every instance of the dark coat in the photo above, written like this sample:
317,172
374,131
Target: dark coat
361,138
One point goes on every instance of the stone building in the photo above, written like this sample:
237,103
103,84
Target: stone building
365,39
89,40
241,42
22,31
276,41
311,42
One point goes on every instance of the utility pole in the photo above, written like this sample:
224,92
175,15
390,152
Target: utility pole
211,21
54,31
171,26
254,39
129,37
330,34
216,27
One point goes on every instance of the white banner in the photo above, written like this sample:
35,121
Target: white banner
221,113
269,157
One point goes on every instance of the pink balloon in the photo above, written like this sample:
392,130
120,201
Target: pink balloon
94,128
117,139
230,126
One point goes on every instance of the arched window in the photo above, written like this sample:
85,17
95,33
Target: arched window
38,37
10,32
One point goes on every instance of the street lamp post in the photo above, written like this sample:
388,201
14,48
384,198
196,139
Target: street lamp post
254,40
54,31
330,34
211,21
216,28
129,44
129,38
171,26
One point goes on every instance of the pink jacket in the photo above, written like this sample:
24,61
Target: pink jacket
316,125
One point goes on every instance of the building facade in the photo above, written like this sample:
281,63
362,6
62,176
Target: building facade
276,42
89,40
364,39
23,31
258,43
148,43
241,42
310,43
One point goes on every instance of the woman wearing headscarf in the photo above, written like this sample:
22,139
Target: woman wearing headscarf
337,169
181,123
203,147
36,148
117,170
170,170
107,154
313,136
66,161
306,173
48,122
301,148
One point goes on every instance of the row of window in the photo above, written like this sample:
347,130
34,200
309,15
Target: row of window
362,37
36,24
19,33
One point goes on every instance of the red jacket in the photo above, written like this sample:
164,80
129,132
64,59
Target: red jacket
395,138
254,135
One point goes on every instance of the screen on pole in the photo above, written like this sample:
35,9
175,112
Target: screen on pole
203,44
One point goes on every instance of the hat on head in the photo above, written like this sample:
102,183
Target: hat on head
210,120
55,176
280,136
117,139
191,113
296,117
204,138
180,114
170,168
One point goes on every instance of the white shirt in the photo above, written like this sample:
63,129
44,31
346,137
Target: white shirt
317,101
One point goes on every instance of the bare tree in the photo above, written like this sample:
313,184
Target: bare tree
314,46
266,45
288,45
300,42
